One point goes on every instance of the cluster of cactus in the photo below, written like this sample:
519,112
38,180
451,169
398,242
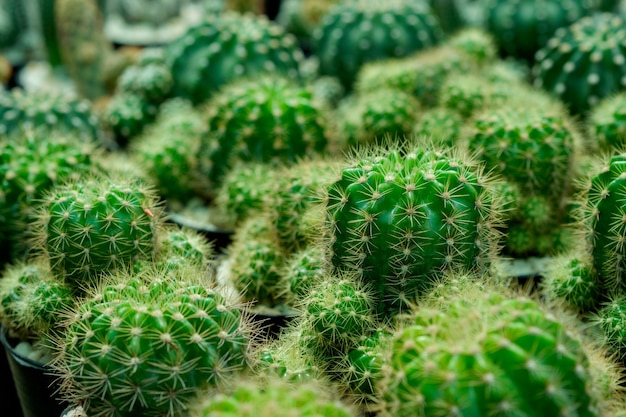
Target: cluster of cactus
607,122
355,32
584,62
227,46
158,337
399,217
440,124
523,27
475,350
268,119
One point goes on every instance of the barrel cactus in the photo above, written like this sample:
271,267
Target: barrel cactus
143,344
267,119
607,122
400,217
226,46
584,62
355,32
97,225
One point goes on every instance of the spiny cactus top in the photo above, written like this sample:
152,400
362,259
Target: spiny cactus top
94,226
227,46
584,62
357,31
607,122
522,27
24,110
481,351
401,217
605,222
268,119
143,345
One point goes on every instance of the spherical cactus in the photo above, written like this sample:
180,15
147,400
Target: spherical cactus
144,344
150,77
168,151
607,122
268,119
440,124
401,217
300,17
370,117
476,43
26,110
273,398
226,46
31,164
610,319
522,27
355,32
482,351
584,62
126,115
302,271
97,225
469,94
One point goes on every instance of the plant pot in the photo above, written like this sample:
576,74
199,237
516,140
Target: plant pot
34,384
10,400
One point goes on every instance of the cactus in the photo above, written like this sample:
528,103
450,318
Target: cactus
158,339
584,62
273,398
469,94
97,225
479,351
126,115
477,43
227,46
25,110
607,122
377,214
268,119
523,27
30,165
441,124
150,77
355,32
84,48
610,319
168,151
300,17
302,271
370,117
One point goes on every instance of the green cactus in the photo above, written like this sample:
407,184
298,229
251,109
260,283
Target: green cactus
25,110
370,117
300,17
607,122
144,344
83,46
481,351
126,115
355,32
97,225
584,62
31,164
268,119
150,77
440,124
168,151
179,248
610,319
571,280
227,46
470,94
476,43
401,217
302,271
273,398
523,27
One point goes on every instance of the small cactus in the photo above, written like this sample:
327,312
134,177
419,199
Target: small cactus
607,123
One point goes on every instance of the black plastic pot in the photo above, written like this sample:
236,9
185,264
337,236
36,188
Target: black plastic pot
10,401
34,384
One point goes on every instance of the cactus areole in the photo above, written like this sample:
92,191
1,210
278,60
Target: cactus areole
400,218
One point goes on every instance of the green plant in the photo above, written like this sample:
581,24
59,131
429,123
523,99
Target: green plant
126,115
400,217
584,62
355,32
226,46
607,122
302,271
97,225
440,124
149,77
267,119
142,344
522,27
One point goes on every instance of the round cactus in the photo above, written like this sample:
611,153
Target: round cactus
610,319
97,225
144,344
370,117
522,27
607,122
584,62
126,115
26,110
273,398
168,151
226,46
302,271
355,32
269,119
511,356
150,77
440,124
30,165
476,43
400,217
